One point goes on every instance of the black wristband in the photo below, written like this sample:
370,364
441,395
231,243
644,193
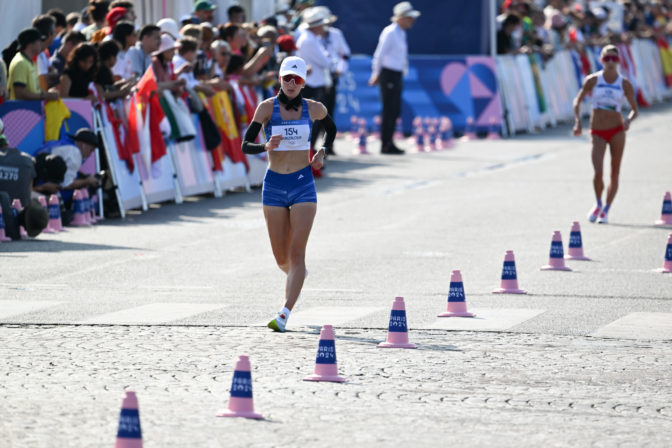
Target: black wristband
250,135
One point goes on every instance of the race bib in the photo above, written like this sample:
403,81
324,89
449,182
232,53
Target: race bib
295,137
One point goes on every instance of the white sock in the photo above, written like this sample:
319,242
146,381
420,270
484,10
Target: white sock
286,312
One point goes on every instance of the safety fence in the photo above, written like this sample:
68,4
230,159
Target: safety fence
537,94
507,94
144,177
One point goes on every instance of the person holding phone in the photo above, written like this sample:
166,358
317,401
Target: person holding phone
607,127
288,195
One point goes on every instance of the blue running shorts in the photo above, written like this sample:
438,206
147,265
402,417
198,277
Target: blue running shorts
285,190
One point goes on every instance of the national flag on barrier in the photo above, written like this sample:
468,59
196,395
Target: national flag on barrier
146,99
226,122
665,59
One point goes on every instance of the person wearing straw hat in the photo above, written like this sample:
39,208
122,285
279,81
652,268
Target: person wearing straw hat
390,61
288,195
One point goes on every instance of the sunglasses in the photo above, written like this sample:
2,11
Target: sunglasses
224,54
611,58
297,79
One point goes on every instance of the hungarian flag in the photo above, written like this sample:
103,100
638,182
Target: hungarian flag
146,99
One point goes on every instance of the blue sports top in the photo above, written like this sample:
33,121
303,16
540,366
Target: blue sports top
295,133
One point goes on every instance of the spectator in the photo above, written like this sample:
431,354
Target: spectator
70,41
46,26
124,34
166,79
235,36
128,6
60,29
236,15
71,20
140,56
98,11
74,155
50,170
203,67
221,55
23,82
299,7
184,62
169,26
80,71
505,43
3,82
186,19
311,50
109,88
114,16
204,11
84,20
389,62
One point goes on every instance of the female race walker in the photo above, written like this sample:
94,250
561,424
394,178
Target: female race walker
606,125
288,196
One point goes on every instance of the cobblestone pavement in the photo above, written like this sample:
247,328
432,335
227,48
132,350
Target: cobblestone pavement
62,387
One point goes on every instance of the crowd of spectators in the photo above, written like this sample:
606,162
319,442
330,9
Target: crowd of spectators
549,26
101,53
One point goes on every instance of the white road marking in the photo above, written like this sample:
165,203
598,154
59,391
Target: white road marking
10,308
491,319
152,314
639,326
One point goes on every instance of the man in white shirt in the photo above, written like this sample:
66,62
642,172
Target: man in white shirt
311,48
390,61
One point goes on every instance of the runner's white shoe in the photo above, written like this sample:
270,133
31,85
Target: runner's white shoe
593,214
279,323
603,219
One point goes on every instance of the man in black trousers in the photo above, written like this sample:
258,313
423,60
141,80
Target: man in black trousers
390,61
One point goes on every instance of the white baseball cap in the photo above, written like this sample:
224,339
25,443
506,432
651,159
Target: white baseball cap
293,65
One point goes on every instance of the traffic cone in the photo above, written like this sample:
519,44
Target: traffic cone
419,139
3,237
469,132
43,203
666,214
16,205
240,402
398,130
55,214
446,133
493,134
86,200
354,128
667,265
326,368
556,261
431,138
129,434
376,127
575,247
79,218
397,331
457,305
362,136
509,284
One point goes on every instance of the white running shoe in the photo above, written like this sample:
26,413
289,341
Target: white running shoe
593,214
603,219
279,323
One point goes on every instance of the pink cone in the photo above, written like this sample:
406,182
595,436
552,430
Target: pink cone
509,283
575,247
326,367
556,260
43,203
16,205
397,335
241,403
666,214
129,434
457,301
55,214
667,264
79,218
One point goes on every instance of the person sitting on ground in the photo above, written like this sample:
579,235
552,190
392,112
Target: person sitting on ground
23,82
80,71
74,155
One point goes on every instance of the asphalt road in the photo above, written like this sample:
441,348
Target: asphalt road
197,282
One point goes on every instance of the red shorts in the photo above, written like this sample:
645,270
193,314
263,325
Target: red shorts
607,134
